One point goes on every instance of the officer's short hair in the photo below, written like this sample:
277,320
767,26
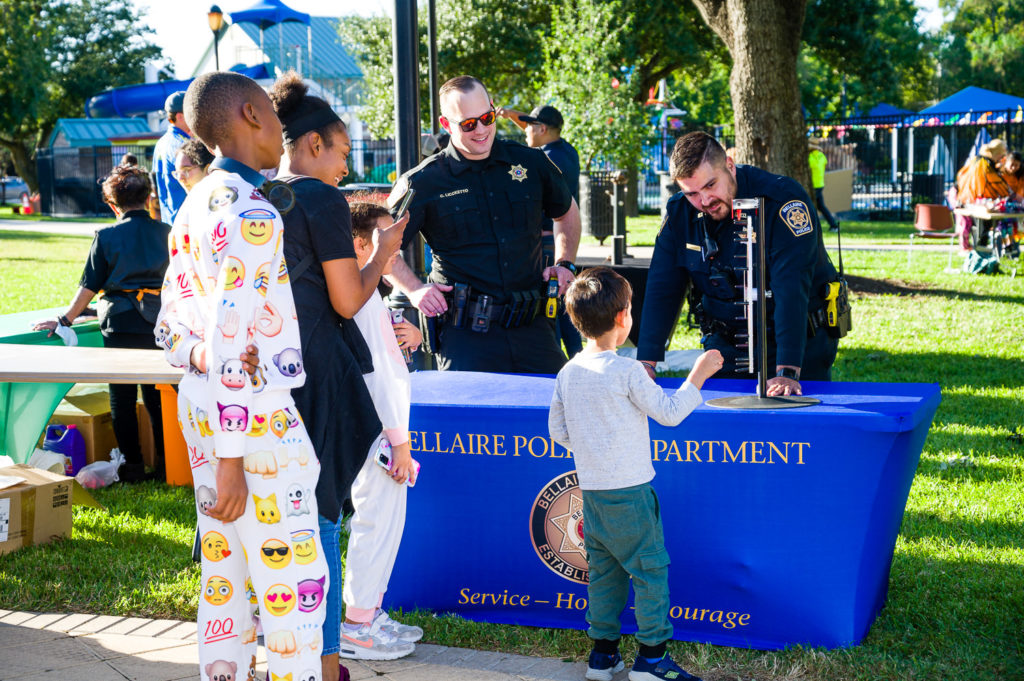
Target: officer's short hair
593,300
460,84
210,101
691,151
365,213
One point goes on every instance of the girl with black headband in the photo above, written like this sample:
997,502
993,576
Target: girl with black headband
329,288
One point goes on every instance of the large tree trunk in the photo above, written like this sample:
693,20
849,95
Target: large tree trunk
763,38
24,163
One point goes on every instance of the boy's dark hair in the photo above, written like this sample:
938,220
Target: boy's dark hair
210,102
365,214
692,150
196,151
302,113
126,187
593,300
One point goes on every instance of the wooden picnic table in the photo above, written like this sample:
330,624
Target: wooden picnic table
59,364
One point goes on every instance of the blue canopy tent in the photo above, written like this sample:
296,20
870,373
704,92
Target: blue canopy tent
974,99
267,13
884,109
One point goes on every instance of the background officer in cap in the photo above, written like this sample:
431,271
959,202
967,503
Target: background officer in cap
480,204
168,189
696,246
544,131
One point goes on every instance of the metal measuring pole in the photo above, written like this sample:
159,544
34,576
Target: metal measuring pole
748,216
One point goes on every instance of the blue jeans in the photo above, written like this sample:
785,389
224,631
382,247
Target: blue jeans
332,623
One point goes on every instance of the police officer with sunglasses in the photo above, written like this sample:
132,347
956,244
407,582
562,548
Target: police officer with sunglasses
480,205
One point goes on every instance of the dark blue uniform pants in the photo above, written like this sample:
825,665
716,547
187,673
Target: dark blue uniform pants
819,355
529,349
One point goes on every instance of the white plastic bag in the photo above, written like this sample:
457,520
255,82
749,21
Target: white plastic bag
101,473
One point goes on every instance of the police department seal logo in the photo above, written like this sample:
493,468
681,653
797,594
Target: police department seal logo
556,528
518,173
797,217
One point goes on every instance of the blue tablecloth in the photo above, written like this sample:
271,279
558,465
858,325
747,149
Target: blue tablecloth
780,524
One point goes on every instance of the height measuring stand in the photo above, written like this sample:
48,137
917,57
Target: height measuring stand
748,216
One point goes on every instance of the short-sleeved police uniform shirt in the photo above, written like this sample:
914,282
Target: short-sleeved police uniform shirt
483,218
567,159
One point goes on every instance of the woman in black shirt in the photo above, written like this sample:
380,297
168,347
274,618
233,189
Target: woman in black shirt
126,266
329,288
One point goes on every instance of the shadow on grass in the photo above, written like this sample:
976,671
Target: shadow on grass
899,287
921,525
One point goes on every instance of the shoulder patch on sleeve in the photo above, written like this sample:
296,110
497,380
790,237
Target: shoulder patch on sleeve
797,217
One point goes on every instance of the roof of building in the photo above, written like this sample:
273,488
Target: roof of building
330,59
90,132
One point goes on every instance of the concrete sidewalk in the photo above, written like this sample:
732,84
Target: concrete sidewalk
61,647
69,228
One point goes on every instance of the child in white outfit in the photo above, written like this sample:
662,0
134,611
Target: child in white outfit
379,495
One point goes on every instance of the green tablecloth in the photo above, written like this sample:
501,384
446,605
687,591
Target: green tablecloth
26,408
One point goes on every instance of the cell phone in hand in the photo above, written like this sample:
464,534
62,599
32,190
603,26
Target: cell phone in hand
386,461
403,205
397,317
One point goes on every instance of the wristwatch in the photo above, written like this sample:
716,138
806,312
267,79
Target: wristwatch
567,265
63,320
787,372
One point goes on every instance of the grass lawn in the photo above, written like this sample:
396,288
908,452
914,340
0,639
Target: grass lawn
956,598
643,230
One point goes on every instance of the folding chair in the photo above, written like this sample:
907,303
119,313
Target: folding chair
933,221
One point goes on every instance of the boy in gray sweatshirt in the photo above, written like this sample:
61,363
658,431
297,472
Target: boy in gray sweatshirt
599,411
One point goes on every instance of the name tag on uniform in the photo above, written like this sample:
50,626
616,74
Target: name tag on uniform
693,247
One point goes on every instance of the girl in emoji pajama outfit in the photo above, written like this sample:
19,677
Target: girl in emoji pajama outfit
227,286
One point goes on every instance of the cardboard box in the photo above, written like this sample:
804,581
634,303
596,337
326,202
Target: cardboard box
88,407
145,435
34,511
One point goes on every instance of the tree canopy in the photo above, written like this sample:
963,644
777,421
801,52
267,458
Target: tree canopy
498,41
53,56
984,46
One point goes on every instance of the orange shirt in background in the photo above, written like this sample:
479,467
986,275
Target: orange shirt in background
979,179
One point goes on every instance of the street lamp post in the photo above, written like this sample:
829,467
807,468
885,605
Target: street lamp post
216,19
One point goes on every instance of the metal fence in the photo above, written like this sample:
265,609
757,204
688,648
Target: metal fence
900,161
69,177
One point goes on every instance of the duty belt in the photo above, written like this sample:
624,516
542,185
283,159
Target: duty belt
478,312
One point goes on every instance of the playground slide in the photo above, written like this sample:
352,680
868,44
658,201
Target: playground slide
139,100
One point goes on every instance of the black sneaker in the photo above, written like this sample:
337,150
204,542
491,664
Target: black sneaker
664,669
602,667
133,472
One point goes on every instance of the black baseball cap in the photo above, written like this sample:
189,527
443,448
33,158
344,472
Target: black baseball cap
175,102
546,115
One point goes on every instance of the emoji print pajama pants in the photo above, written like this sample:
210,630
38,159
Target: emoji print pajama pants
269,557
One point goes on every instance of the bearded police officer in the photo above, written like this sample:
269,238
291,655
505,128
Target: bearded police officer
696,246
480,205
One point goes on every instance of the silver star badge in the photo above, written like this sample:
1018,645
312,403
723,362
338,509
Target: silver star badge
518,173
